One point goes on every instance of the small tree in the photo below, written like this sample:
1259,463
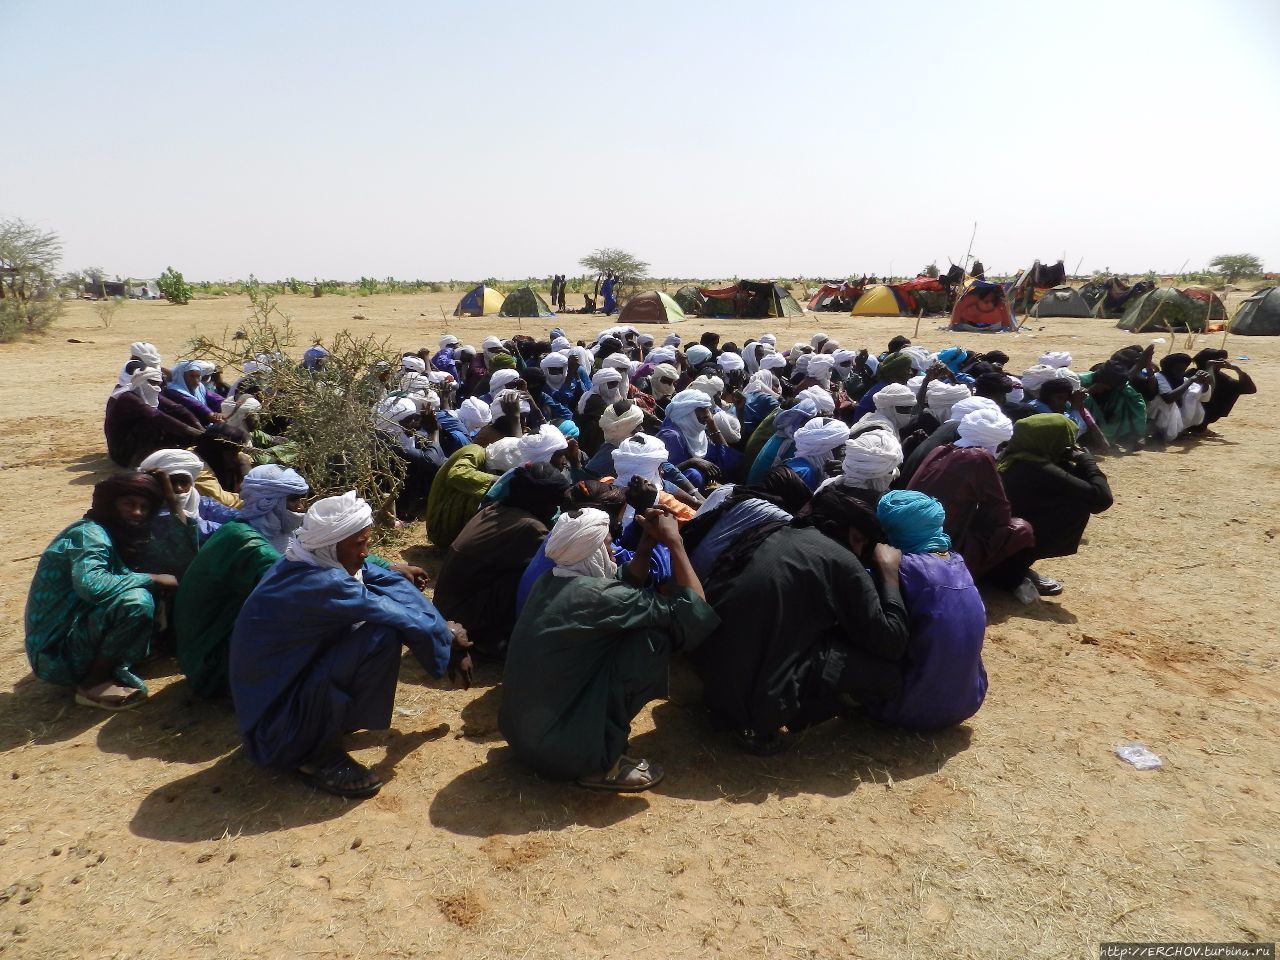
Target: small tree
931,270
29,259
625,266
106,309
174,287
1237,265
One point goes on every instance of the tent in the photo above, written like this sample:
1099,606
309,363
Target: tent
923,293
835,297
880,300
1035,282
1164,309
1217,309
1061,302
982,308
690,300
525,302
750,299
481,301
1259,316
651,307
1109,296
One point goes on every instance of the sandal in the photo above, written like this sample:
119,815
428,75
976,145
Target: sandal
1044,585
110,696
633,776
333,775
764,744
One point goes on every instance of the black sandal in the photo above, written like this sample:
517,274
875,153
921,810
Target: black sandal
333,775
633,776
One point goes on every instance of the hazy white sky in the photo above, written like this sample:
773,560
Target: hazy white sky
463,140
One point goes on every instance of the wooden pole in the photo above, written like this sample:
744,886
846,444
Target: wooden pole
919,317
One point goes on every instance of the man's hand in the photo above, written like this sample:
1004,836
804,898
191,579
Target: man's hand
1077,399
708,469
509,401
460,667
573,452
887,560
217,417
415,575
660,527
163,582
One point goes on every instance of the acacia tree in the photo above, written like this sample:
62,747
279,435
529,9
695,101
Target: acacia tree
29,259
174,288
1236,265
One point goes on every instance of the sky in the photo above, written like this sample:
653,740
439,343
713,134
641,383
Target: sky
432,140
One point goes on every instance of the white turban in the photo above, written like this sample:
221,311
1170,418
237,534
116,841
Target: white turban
646,339
578,545
683,412
1056,358
871,460
474,414
802,362
915,383
762,381
662,382
890,398
617,361
605,384
467,349
392,411
1033,378
963,408
821,398
697,355
844,358
773,361
500,379
817,340
730,362
491,344
266,491
639,456
586,359
142,382
818,438
941,396
770,339
729,425
985,428
449,340
540,447
327,524
618,426
661,355
671,340
412,382
920,358
242,407
711,386
561,343
495,408
146,352
412,364
820,367
502,455
183,462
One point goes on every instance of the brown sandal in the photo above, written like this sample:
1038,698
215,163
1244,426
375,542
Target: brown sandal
110,696
632,776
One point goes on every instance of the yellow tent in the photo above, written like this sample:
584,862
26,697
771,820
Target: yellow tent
481,301
878,301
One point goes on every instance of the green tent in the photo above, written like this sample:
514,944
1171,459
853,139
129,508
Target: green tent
1060,302
1164,309
525,302
691,300
1259,316
652,307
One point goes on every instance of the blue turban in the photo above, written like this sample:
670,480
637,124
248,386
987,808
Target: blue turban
265,491
313,356
569,429
953,357
913,522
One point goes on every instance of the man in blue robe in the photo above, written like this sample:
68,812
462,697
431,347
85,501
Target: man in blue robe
316,649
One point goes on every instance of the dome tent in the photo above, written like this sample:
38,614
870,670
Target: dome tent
1259,316
983,308
690,300
651,307
1164,309
480,301
525,302
880,300
1061,301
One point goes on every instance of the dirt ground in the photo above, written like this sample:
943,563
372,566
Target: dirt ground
1020,834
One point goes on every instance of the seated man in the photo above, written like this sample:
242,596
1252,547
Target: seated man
591,648
456,493
316,649
943,681
996,544
89,615
184,521
1115,405
483,566
819,445
1179,406
1226,390
803,625
693,440
140,420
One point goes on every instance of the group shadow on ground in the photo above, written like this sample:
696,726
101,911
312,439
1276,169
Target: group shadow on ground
90,468
501,796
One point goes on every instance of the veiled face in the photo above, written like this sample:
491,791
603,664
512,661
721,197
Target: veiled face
296,502
181,483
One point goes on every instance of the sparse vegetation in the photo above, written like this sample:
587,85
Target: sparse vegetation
174,287
29,259
1234,266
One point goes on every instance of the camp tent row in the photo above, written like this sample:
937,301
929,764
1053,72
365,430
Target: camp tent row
483,301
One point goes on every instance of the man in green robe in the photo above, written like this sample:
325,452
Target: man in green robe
90,616
591,648
456,494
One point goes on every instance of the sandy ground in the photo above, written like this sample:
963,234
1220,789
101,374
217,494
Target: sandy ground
1017,835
